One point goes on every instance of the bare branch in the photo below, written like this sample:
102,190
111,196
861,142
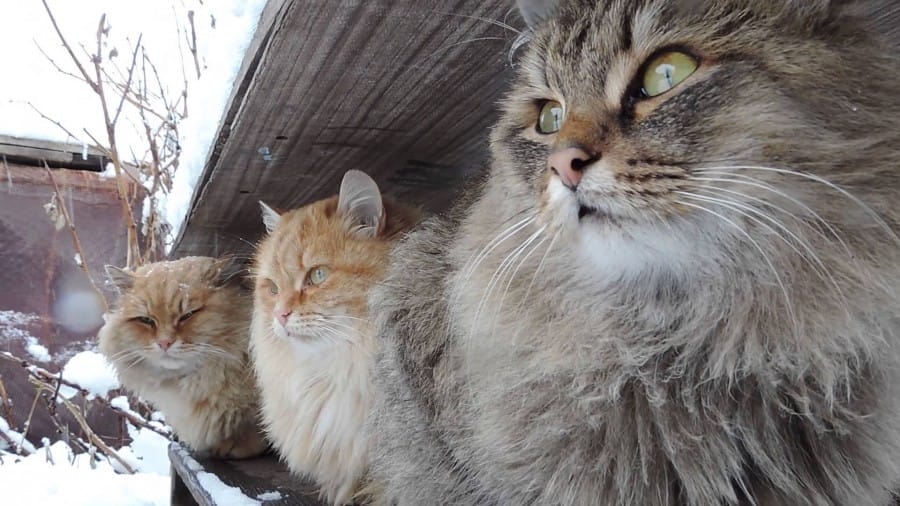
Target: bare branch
137,47
84,74
58,124
55,65
53,380
192,42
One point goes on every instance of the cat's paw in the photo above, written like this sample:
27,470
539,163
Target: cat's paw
242,446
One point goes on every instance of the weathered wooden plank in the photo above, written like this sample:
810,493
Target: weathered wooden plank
254,477
404,90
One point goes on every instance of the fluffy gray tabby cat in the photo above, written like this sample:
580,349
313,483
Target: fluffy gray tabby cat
678,283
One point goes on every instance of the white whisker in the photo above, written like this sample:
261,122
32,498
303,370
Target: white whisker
809,255
821,180
501,269
784,290
757,183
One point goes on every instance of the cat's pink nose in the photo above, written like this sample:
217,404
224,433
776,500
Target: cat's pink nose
569,165
165,344
283,315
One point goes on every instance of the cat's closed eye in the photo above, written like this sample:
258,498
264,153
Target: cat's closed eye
187,316
145,320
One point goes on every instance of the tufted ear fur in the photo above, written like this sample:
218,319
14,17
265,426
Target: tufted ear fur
270,217
225,271
120,278
360,203
536,12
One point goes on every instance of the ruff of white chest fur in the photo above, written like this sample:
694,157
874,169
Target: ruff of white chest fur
208,408
315,399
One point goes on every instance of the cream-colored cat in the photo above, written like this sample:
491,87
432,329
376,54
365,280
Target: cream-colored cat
311,342
178,338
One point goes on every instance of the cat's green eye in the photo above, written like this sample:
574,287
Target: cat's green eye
318,275
551,118
146,320
667,71
273,288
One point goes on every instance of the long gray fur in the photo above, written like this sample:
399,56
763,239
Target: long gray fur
714,359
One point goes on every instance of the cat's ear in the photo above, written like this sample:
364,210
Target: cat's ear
270,217
121,279
536,12
225,271
360,203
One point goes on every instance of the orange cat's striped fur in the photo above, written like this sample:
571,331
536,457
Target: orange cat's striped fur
178,338
311,341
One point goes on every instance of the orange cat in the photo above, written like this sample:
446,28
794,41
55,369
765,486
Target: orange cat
311,341
178,338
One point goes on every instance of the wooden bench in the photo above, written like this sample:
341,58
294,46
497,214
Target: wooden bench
195,481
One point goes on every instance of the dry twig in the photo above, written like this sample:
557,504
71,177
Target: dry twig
74,233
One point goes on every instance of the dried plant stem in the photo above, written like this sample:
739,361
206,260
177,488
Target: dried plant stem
55,379
95,440
75,239
192,43
27,425
7,404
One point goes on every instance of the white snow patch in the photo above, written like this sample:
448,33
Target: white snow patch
76,480
16,437
121,402
10,321
151,450
37,351
270,496
91,371
222,493
218,490
109,171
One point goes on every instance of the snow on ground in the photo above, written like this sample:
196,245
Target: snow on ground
224,29
54,474
11,323
74,480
